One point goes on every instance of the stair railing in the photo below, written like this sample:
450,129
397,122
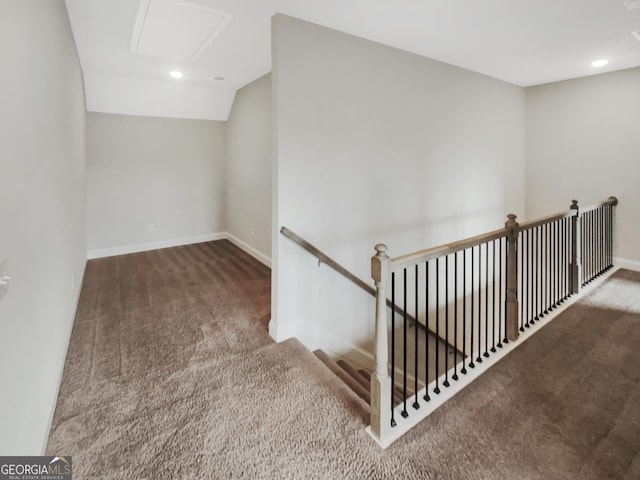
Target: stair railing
479,295
336,266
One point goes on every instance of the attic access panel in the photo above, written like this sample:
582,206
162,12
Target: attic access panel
178,30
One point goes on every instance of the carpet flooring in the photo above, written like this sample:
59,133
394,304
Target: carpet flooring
171,374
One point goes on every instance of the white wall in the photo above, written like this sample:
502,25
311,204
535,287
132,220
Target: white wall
137,96
159,171
42,214
372,144
248,169
583,143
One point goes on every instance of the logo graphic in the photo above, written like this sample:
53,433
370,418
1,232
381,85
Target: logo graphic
36,468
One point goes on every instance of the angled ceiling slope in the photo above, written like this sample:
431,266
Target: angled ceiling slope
222,45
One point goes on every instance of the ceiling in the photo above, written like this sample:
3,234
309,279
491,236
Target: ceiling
522,42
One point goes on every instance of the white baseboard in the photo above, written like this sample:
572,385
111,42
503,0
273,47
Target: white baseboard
143,247
177,242
628,264
261,257
280,333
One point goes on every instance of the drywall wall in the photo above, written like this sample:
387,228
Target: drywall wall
151,181
248,167
372,144
583,143
136,96
42,214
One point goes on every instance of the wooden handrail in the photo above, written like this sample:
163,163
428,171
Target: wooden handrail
330,262
327,260
610,201
548,219
422,256
449,248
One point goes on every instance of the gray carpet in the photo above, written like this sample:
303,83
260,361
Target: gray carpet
171,374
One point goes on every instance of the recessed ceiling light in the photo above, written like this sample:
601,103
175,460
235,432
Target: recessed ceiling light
599,63
175,74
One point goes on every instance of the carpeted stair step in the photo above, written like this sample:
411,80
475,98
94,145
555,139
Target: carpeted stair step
364,381
342,374
397,391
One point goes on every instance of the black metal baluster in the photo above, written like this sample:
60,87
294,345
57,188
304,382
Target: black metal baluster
500,297
600,240
611,236
550,263
426,332
486,300
566,260
558,264
561,272
593,246
416,405
555,232
455,317
551,253
568,256
594,249
471,364
446,321
596,216
544,281
605,219
536,274
586,264
553,268
404,412
563,251
608,233
531,269
583,232
393,343
479,357
506,281
464,312
523,294
525,320
493,306
601,235
531,238
585,254
437,389
594,243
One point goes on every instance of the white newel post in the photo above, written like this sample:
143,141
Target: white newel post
380,381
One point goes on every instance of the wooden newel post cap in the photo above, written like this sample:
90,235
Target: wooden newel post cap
574,204
381,249
613,200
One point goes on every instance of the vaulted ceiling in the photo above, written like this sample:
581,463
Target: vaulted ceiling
128,47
